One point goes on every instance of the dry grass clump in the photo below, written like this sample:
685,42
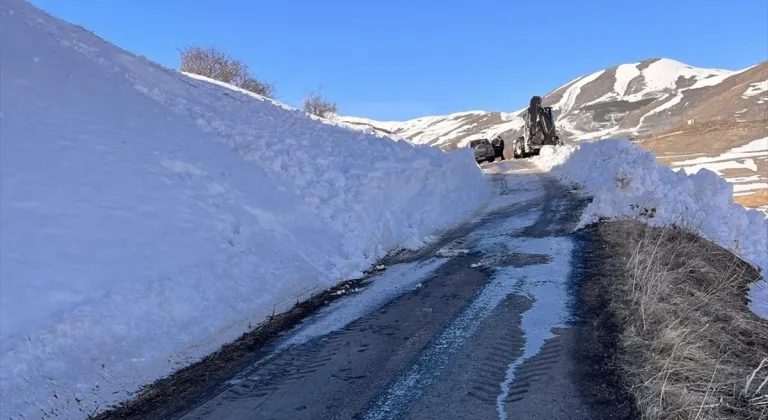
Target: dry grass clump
690,347
756,199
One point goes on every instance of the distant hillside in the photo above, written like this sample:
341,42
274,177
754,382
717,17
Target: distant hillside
637,100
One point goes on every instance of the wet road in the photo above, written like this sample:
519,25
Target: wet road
475,326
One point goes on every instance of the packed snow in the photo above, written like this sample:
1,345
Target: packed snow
627,181
149,217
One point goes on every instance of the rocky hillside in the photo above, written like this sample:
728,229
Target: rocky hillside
636,100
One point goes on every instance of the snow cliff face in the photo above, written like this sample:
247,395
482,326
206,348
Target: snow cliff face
148,217
634,100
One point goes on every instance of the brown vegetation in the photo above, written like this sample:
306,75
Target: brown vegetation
689,346
757,199
711,137
316,105
218,65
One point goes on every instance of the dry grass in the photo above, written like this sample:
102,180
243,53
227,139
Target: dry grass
711,137
690,347
757,199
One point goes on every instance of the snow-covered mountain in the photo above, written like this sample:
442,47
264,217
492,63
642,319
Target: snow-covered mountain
636,100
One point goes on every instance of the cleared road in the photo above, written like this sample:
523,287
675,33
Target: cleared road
477,326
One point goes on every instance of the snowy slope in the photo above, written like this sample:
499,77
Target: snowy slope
633,99
148,217
627,181
459,128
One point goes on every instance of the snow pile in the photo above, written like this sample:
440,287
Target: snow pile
627,181
551,156
149,217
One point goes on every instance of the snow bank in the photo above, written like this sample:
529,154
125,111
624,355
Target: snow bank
627,181
149,217
551,156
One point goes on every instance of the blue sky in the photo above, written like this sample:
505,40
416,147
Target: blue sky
399,59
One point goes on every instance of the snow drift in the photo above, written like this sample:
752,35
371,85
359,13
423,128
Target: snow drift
627,181
148,217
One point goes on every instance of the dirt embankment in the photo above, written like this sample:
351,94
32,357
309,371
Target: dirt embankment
686,346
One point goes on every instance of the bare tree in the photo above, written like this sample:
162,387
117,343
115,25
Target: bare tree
218,65
315,104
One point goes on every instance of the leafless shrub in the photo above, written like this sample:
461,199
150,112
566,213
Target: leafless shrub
691,348
218,65
316,105
252,84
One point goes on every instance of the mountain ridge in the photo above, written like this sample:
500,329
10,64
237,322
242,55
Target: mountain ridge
636,100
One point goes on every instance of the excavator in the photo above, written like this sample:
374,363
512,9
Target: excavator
539,130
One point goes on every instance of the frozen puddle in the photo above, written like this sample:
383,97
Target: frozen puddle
546,285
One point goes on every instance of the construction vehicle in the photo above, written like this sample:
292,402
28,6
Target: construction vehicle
539,130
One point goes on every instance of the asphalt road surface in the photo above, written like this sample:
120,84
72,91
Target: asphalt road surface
476,326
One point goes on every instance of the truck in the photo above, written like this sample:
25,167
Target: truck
539,130
483,150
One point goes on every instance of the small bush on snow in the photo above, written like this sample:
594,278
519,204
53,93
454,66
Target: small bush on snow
316,105
218,65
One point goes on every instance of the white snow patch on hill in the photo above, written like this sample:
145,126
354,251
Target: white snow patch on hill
626,180
492,131
624,74
756,88
436,130
659,78
664,73
149,217
566,103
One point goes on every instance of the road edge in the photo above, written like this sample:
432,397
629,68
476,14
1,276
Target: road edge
604,386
